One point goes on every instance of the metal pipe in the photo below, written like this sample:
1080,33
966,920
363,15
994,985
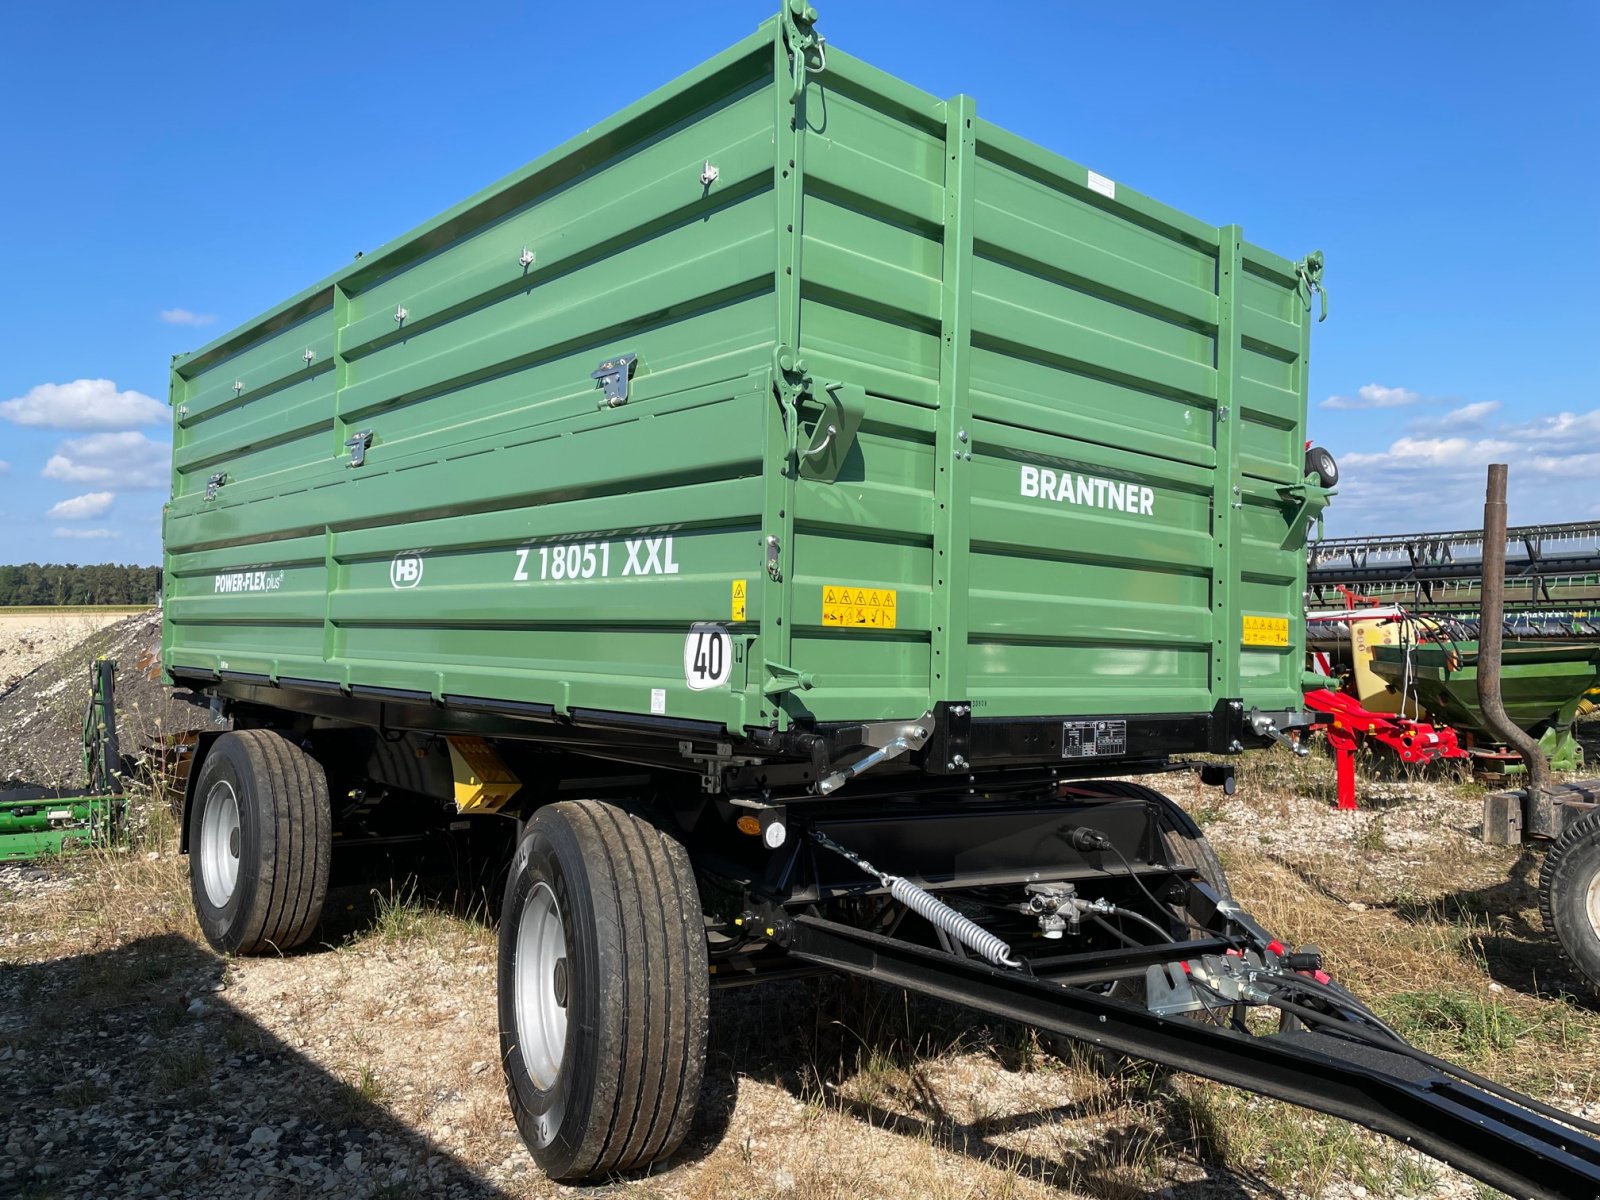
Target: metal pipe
1539,815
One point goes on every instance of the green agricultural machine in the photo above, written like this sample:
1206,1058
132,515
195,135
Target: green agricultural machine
775,513
36,821
1542,685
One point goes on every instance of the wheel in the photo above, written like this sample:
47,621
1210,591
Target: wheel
260,837
1321,464
1569,897
1185,843
604,992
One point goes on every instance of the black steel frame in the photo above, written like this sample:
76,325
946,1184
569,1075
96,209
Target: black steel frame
1472,1129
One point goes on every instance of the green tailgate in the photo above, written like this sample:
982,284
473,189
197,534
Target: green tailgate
1064,477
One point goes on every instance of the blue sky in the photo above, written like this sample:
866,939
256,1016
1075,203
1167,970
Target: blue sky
173,169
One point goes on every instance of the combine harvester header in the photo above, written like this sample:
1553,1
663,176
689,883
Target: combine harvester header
1551,569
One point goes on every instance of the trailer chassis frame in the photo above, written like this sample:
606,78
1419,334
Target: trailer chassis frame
1474,1129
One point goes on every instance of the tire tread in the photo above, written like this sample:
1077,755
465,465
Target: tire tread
653,988
1573,836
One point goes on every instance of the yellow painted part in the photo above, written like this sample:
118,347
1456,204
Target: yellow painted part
1374,692
482,782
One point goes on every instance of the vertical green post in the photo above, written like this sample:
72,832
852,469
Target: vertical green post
1227,496
178,398
788,368
954,433
341,431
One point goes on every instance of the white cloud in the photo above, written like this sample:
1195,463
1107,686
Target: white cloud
83,508
1472,414
128,460
4,466
1422,481
182,316
83,404
1374,395
84,533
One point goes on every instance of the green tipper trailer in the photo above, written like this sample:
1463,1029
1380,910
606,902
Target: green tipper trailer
772,509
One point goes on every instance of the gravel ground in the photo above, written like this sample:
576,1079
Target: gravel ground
149,1079
136,1063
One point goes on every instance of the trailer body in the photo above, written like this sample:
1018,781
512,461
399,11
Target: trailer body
1065,478
782,500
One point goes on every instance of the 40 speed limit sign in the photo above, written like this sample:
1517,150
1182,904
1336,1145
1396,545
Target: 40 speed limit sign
707,656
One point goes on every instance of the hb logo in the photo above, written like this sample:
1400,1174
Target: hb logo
406,570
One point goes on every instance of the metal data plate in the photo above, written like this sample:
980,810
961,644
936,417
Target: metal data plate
1094,739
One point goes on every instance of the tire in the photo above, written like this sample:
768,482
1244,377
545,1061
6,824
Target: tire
260,839
1569,897
1320,463
604,993
1186,845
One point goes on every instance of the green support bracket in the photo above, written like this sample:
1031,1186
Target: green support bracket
786,679
1310,499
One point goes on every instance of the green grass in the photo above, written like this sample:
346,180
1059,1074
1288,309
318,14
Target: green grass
1456,1022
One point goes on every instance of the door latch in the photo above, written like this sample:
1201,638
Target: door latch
613,376
215,482
358,443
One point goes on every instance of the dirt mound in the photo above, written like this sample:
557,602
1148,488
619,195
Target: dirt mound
41,715
32,637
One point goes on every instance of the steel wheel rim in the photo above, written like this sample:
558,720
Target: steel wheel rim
543,986
1591,906
219,843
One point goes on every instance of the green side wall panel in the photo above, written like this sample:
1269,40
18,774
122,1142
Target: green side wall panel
1068,424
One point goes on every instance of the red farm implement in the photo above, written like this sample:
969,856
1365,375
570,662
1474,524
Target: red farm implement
1345,723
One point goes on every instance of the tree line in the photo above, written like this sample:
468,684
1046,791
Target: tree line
71,583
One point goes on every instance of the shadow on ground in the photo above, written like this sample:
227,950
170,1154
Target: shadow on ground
820,1039
125,1073
1511,940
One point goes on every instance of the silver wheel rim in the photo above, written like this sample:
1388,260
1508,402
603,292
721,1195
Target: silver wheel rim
543,985
1591,904
219,843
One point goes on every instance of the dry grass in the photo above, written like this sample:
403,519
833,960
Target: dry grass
838,1090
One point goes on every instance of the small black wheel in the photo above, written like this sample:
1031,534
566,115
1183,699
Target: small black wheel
260,839
1323,465
604,990
1569,897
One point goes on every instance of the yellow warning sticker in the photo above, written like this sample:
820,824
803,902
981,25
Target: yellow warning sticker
741,590
858,607
1266,631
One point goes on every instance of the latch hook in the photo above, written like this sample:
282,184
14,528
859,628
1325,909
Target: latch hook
1309,269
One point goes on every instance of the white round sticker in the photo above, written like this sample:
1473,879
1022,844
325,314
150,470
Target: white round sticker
707,657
